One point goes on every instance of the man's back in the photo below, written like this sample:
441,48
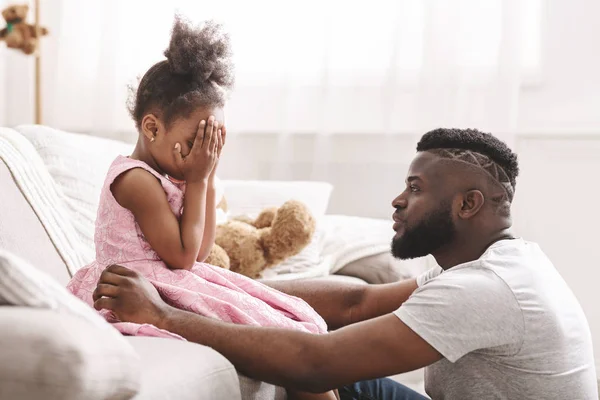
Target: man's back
508,327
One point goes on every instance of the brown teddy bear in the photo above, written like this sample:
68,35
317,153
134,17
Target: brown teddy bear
250,246
18,34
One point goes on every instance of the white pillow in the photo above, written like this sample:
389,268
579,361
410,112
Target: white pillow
26,286
307,264
60,348
350,238
361,247
251,197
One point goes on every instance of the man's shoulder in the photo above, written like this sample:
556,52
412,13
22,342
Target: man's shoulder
512,251
515,257
477,277
494,269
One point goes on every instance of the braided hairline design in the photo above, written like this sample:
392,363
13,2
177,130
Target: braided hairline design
482,161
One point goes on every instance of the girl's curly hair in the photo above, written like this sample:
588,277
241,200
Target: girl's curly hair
198,72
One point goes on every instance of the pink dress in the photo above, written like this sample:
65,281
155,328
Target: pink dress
205,289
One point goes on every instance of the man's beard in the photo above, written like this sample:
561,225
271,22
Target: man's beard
433,232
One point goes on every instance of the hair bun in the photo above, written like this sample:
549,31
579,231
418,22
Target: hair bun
202,53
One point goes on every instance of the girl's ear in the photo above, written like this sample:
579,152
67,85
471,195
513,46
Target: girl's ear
151,126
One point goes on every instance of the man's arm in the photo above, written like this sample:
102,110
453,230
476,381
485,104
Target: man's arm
343,303
317,363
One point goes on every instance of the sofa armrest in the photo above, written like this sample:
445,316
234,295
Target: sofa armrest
50,355
21,231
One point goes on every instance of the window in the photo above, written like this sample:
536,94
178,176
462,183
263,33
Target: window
342,40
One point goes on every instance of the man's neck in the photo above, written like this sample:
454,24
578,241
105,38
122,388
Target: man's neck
468,248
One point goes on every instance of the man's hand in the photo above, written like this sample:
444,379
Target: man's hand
130,296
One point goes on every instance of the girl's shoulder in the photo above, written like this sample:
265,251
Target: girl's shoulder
122,164
138,172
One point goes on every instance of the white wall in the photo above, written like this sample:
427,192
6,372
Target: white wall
557,206
568,97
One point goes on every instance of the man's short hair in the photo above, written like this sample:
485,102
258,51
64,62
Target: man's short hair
478,148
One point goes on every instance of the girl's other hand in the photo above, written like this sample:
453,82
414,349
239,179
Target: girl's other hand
203,157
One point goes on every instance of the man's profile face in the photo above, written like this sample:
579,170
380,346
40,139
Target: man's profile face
423,218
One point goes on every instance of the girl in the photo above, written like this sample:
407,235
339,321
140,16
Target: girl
157,208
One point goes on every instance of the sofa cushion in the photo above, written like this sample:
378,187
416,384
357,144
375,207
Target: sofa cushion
22,233
373,269
174,369
52,356
384,268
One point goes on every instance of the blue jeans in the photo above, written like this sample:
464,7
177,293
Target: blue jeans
379,389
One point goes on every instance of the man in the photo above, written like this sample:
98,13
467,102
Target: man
494,320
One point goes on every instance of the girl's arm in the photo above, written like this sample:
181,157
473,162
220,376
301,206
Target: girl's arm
210,224
177,244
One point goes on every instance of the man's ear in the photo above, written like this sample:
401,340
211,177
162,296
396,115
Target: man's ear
150,126
472,201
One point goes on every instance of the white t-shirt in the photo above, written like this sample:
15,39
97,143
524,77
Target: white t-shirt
508,327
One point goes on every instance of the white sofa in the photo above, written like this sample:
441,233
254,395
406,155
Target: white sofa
49,185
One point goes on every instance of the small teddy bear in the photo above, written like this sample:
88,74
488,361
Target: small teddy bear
250,246
18,34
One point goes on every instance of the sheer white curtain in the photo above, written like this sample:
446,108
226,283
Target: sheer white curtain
321,67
